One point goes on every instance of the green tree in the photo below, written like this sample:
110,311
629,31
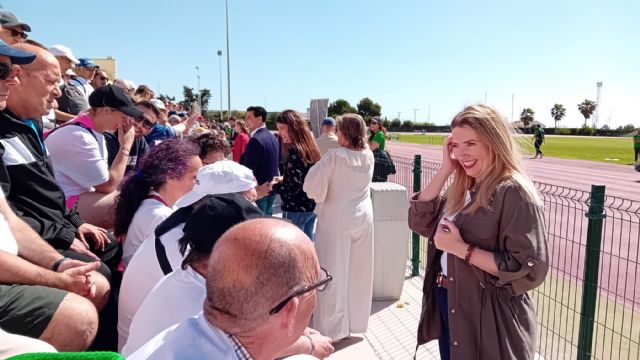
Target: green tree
407,124
271,120
586,108
164,98
527,116
367,108
395,123
340,107
191,97
557,113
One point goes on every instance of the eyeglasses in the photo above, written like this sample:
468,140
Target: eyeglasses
5,70
145,122
320,286
16,33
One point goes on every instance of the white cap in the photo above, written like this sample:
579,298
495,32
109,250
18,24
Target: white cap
70,72
158,103
61,50
221,177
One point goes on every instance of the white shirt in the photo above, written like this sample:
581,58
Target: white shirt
256,130
193,338
148,216
443,257
79,159
142,274
176,297
7,241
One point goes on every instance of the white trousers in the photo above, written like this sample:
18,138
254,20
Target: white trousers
345,305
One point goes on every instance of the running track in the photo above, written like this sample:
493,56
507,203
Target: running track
621,180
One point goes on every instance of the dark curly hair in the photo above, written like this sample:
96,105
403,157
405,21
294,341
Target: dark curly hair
167,160
209,142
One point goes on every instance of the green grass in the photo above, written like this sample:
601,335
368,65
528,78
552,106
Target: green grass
602,149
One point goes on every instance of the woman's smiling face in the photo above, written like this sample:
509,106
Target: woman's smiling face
470,152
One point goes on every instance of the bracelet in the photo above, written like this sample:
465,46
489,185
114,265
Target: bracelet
125,151
313,346
57,264
470,250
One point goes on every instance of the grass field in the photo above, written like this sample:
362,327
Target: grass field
602,149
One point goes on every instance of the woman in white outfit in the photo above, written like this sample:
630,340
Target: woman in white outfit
339,184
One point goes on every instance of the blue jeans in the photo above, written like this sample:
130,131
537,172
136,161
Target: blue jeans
304,220
265,204
444,342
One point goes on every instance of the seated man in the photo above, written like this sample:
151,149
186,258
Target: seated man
26,173
181,293
42,294
142,127
251,311
159,255
79,155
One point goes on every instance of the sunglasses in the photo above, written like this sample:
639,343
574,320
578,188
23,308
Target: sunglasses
148,124
103,78
5,70
320,286
16,33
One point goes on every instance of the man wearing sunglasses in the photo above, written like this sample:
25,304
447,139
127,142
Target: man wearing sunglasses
142,126
261,280
79,153
100,78
12,30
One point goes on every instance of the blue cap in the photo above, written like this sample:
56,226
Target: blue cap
18,57
84,62
329,121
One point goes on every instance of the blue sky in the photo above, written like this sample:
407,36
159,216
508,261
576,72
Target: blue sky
404,55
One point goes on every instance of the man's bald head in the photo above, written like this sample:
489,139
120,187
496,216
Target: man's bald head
38,88
253,267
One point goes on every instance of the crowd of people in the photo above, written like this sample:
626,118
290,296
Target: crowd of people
133,226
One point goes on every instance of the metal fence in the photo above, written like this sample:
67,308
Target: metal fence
589,305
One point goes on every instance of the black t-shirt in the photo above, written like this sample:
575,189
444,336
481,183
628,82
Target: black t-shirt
137,152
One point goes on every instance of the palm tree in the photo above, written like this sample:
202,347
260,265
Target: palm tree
558,112
587,108
527,117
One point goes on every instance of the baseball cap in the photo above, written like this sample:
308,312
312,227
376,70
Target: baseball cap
84,62
17,56
61,50
8,19
114,97
208,222
329,121
376,119
221,177
158,103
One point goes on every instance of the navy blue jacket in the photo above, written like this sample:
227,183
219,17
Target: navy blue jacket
261,156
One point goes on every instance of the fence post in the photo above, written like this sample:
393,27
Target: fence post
591,266
415,238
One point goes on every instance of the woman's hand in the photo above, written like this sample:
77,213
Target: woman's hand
448,239
448,161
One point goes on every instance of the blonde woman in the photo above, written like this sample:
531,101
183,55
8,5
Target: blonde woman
339,184
487,244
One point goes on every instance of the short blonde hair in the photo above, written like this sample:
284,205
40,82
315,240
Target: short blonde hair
494,132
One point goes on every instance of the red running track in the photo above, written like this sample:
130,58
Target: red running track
621,180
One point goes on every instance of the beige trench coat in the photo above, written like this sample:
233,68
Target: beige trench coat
489,317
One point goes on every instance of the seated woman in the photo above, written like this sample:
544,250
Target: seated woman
212,148
145,268
147,197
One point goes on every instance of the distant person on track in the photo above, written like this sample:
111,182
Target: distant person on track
487,246
636,145
538,140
